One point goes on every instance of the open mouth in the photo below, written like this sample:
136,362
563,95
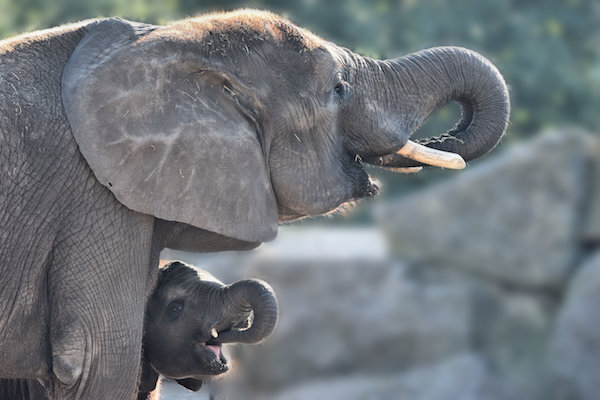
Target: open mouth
218,363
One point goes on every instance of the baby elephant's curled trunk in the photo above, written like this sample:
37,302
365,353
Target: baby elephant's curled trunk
256,296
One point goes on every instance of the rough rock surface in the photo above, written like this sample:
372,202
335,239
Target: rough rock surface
591,231
574,355
513,218
463,377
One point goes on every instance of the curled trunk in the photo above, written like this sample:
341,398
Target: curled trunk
428,79
256,296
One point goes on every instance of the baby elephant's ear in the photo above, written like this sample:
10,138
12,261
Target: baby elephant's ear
166,133
190,384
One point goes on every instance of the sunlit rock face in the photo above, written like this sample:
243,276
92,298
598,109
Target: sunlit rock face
516,218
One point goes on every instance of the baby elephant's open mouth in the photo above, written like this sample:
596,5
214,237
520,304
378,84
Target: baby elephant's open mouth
216,362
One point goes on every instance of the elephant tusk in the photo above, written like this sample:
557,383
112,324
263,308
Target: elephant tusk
213,333
406,170
429,156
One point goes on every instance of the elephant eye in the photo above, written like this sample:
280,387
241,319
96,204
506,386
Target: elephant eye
174,309
341,88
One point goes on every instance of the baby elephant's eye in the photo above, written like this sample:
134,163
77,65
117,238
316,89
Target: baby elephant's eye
174,309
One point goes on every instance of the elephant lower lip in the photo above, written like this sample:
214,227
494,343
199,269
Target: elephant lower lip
220,366
215,349
373,189
369,189
216,366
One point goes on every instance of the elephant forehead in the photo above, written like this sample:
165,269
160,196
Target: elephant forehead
238,29
178,278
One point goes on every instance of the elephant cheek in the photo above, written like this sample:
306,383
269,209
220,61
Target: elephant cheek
316,190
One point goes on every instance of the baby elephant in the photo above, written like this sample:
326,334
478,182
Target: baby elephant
190,315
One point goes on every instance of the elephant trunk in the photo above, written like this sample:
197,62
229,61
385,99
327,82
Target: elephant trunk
431,78
256,296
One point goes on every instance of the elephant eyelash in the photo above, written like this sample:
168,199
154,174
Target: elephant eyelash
341,89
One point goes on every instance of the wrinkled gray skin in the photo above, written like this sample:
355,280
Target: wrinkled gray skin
186,304
183,309
119,139
22,389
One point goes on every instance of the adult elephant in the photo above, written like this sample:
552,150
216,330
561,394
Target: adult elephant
119,139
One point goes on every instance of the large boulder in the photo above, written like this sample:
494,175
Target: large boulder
463,377
574,356
591,231
370,318
515,218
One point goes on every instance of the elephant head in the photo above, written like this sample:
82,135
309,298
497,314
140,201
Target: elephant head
191,314
234,122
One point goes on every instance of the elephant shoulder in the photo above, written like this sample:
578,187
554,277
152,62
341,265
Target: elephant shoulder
31,66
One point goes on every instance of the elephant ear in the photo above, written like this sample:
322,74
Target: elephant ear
168,133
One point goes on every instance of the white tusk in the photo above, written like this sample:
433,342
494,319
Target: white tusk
429,156
213,333
406,170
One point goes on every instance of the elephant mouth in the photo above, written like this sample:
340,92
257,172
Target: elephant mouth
214,359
